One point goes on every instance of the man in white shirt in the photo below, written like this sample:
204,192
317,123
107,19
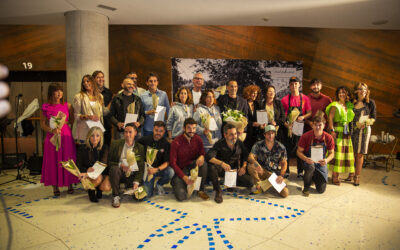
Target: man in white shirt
198,82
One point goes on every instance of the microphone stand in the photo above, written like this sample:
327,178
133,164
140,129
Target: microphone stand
22,163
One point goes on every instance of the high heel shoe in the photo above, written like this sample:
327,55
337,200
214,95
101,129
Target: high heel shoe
356,180
349,178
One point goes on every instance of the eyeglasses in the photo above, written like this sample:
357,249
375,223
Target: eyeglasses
198,78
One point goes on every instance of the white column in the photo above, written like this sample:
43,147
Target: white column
87,47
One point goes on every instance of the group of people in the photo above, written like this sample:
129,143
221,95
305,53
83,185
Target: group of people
193,135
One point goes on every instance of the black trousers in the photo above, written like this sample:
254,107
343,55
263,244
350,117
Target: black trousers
116,177
311,175
215,171
291,148
179,186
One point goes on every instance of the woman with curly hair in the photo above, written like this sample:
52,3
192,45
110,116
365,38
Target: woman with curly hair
182,109
254,129
365,115
340,114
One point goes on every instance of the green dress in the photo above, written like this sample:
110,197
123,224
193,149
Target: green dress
343,162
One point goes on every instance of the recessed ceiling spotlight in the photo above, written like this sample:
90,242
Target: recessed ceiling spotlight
380,22
106,7
265,19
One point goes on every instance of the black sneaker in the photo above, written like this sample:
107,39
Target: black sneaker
92,196
306,193
99,194
300,175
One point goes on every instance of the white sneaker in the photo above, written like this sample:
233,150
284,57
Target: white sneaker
116,201
160,190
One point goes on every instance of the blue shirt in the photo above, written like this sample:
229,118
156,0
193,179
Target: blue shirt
147,100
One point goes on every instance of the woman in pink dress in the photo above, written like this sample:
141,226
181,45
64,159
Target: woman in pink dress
52,171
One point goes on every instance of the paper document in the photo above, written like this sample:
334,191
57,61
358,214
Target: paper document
298,128
363,119
317,153
213,125
92,124
262,116
197,183
98,169
230,179
278,187
160,113
129,118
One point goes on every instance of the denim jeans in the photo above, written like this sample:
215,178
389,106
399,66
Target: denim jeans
165,177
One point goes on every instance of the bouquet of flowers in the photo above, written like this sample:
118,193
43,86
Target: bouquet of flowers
155,101
151,155
363,122
236,118
292,117
205,120
131,159
194,172
57,122
73,169
140,193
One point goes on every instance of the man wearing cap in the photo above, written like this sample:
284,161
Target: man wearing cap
228,154
267,157
301,102
316,170
318,101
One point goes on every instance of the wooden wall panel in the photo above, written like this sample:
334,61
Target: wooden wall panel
43,46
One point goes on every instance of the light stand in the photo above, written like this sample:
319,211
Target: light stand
22,163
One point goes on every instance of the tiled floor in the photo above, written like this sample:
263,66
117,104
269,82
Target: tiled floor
364,217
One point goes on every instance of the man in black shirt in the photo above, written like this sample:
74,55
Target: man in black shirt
227,154
160,166
232,100
107,96
123,103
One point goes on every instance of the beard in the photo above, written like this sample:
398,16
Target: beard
232,141
189,134
316,91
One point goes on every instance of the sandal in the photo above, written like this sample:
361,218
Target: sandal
356,180
349,178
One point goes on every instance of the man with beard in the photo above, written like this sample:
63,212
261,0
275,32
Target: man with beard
187,152
318,101
160,166
124,103
137,90
228,154
266,157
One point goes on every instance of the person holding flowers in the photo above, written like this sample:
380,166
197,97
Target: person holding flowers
364,117
208,118
340,114
59,144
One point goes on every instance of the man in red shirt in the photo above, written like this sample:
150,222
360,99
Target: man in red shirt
187,152
318,101
300,101
315,164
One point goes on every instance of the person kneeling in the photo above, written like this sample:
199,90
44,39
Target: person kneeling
126,162
225,155
159,161
187,152
312,150
266,157
88,154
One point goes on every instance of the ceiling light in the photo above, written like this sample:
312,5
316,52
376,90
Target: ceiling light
106,7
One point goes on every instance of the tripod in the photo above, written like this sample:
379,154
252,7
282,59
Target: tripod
20,164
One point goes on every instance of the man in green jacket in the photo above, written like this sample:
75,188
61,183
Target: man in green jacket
124,165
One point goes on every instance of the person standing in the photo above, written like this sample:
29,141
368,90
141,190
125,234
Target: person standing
147,99
340,114
88,105
52,172
295,100
254,129
124,103
318,102
198,82
277,116
361,131
178,113
107,97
